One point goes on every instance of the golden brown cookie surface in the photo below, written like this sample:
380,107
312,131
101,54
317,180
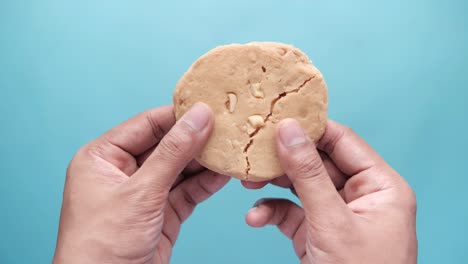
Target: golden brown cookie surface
250,88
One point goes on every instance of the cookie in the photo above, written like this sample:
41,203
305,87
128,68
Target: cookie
250,88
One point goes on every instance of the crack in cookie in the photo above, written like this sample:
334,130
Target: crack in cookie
267,119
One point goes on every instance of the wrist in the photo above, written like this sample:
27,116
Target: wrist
71,253
92,252
79,251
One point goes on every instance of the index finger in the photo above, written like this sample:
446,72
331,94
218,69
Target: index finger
140,133
350,153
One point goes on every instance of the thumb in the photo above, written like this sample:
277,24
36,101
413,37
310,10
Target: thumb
303,165
176,149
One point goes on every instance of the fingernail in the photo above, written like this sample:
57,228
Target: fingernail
291,133
198,116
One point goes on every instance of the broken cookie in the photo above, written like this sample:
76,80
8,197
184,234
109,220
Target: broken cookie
250,88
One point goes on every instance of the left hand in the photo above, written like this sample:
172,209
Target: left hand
124,200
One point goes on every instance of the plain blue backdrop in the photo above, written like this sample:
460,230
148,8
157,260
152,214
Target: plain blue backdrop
69,70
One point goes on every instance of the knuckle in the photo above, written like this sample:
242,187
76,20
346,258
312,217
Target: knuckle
78,163
360,185
205,186
307,164
189,199
354,185
410,200
334,134
92,150
406,196
71,167
85,153
330,140
346,130
156,128
342,129
177,143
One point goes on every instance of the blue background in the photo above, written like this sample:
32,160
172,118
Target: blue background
69,70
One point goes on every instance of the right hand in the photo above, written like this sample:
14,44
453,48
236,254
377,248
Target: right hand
356,208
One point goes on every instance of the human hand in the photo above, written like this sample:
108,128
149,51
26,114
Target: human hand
356,208
124,200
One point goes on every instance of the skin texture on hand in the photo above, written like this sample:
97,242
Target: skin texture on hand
125,197
356,208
